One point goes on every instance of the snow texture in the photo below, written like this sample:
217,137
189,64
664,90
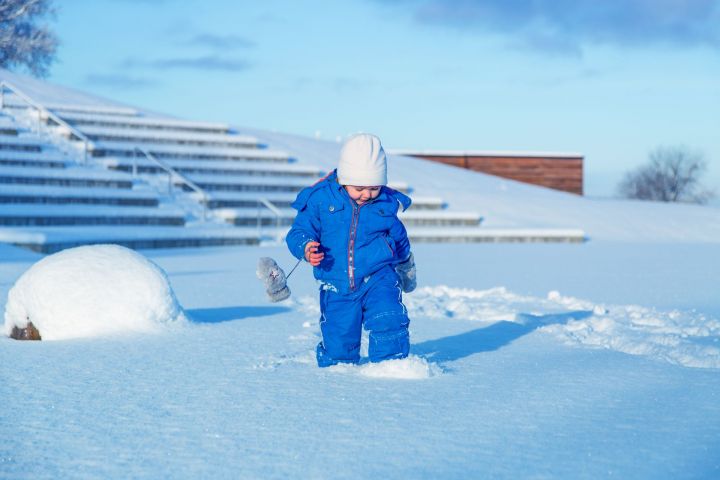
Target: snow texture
410,368
92,291
685,338
510,381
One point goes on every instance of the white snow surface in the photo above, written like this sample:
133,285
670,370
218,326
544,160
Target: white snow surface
576,361
527,361
92,291
686,338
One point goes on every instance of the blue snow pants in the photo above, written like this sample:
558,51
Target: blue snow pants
376,305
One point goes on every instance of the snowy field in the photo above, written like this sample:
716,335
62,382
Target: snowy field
528,361
595,360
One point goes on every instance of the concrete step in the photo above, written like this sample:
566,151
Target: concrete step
33,194
496,235
163,151
31,161
65,177
427,203
48,154
224,199
442,218
47,215
157,136
8,126
20,144
229,199
210,167
92,109
247,183
140,122
475,235
53,239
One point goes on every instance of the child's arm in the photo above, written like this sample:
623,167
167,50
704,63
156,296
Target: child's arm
406,265
402,243
305,228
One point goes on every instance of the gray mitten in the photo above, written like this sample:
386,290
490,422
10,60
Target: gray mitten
274,279
407,273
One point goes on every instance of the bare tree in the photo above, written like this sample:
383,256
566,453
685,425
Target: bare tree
672,175
23,41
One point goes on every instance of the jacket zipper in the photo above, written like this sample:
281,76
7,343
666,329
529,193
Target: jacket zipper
351,245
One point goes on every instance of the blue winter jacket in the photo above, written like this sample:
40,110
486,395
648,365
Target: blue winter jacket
357,240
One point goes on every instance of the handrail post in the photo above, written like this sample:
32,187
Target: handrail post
134,165
257,222
275,211
172,174
40,110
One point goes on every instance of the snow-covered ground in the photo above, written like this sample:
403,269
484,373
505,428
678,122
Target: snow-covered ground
529,361
590,360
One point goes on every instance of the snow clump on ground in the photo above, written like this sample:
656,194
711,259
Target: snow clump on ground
92,291
685,338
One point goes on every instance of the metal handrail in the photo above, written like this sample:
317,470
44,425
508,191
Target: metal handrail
40,108
276,211
172,173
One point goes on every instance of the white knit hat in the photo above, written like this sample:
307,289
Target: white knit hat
362,162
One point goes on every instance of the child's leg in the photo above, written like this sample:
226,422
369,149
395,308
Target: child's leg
387,320
341,327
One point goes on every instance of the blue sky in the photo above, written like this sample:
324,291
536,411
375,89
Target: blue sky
611,79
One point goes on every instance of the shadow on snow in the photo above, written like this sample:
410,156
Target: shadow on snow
493,337
226,314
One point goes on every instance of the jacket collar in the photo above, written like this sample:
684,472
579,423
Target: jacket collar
387,194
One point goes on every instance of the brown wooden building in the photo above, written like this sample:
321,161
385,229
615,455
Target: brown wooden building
561,171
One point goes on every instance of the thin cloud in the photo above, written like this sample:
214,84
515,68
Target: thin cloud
208,62
348,84
120,81
564,26
220,42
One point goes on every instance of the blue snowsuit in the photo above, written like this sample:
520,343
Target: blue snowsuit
359,285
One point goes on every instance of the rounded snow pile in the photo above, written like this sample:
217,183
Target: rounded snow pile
92,291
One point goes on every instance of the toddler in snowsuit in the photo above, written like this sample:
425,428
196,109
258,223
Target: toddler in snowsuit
347,228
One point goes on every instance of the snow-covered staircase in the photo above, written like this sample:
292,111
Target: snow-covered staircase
73,174
49,200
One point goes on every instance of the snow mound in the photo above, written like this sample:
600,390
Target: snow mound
683,338
409,368
680,337
92,291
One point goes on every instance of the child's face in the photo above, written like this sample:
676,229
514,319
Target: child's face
362,194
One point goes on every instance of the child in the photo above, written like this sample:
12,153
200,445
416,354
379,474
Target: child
347,228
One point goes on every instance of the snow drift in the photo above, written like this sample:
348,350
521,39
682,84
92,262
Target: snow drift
92,291
685,338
